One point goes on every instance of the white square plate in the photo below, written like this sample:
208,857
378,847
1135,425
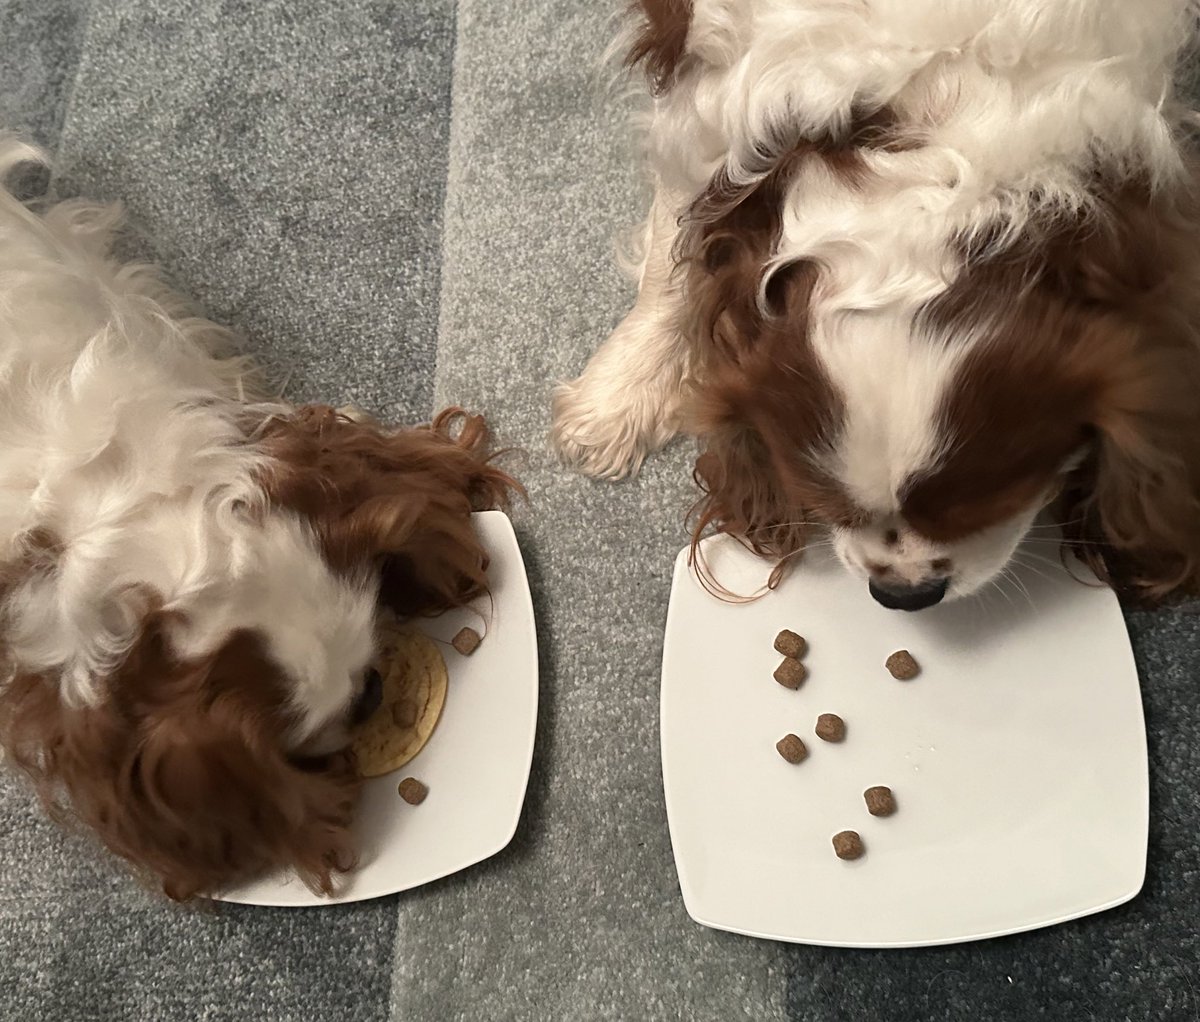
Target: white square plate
1017,758
476,763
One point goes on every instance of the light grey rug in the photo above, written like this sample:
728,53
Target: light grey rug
410,202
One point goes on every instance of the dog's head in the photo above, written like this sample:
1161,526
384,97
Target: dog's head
201,732
1060,368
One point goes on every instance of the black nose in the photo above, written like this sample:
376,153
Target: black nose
369,698
902,597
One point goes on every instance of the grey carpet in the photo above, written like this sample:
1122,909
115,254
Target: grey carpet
41,44
582,918
303,173
286,164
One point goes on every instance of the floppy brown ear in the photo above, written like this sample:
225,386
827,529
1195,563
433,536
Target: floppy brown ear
209,799
427,554
760,472
1134,269
742,496
1136,503
399,502
182,770
763,403
661,40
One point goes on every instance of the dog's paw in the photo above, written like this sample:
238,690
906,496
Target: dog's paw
603,438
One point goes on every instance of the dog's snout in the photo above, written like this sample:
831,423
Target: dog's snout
899,596
369,698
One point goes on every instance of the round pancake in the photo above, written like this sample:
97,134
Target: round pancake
414,692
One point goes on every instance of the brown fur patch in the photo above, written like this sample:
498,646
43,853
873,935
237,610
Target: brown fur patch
37,550
768,415
756,206
1017,408
661,42
1093,344
180,770
763,403
396,502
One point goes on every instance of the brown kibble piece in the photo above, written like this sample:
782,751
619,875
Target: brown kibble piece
831,727
902,666
848,845
790,644
404,713
413,791
880,801
466,641
792,748
791,673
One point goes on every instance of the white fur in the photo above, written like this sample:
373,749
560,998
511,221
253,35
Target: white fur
891,393
627,402
124,436
975,560
1010,105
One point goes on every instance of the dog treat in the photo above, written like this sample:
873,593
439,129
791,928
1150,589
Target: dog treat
414,690
880,801
790,644
792,748
831,727
413,791
466,641
848,845
902,666
791,673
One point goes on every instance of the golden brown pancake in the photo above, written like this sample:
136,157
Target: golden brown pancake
414,692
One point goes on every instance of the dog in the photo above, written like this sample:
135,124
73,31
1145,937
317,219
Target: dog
913,272
189,579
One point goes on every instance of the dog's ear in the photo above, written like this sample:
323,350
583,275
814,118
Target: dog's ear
1136,501
761,473
1135,271
765,407
742,496
210,798
424,549
395,502
661,40
182,769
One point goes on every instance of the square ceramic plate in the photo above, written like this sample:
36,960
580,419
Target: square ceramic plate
1017,758
476,763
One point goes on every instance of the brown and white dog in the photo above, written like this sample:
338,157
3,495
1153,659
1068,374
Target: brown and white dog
189,581
913,271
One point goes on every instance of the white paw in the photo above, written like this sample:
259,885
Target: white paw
607,435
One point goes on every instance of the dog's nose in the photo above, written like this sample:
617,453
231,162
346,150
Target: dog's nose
906,597
369,698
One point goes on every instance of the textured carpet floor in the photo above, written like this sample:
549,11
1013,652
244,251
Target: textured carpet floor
413,202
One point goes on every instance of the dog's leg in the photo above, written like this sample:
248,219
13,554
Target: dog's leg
627,402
